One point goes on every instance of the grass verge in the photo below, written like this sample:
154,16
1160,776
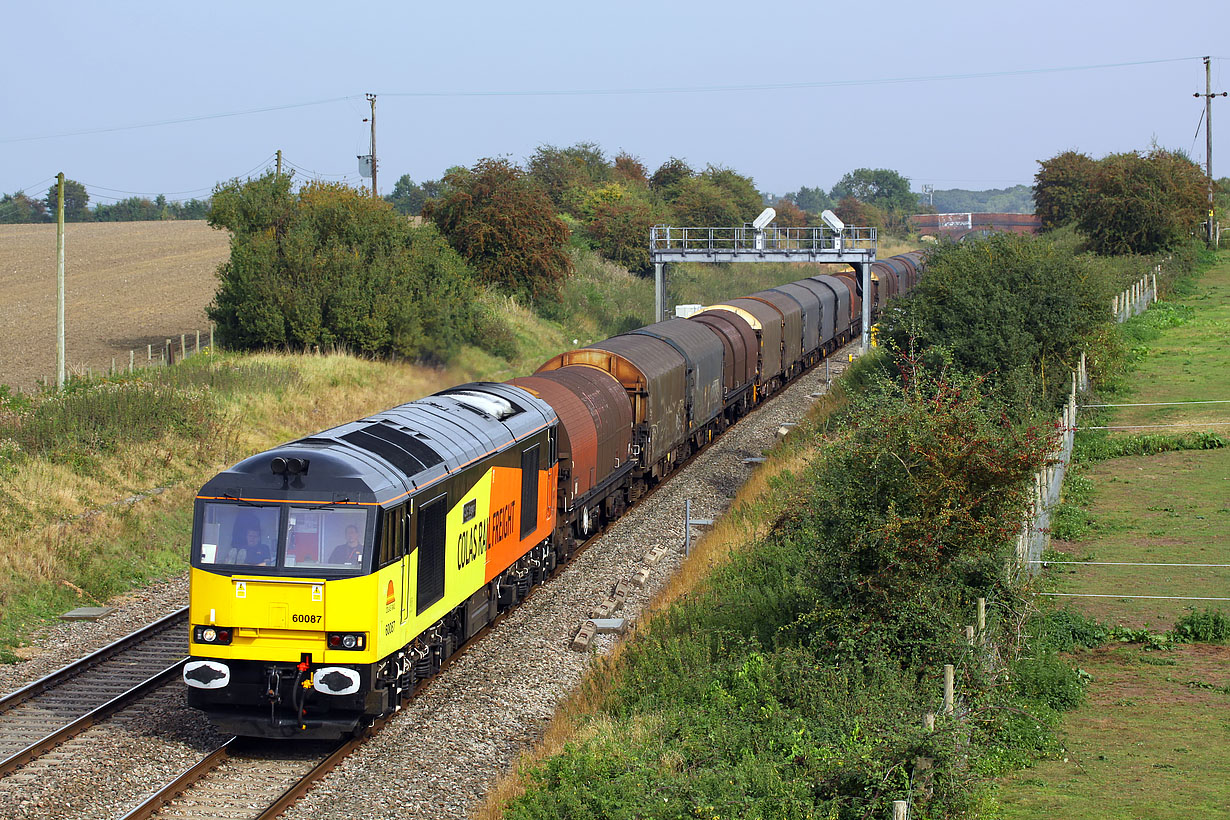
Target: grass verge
1149,742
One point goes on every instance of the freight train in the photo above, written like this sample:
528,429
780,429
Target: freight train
331,575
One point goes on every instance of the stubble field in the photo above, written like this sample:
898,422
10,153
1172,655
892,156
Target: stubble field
127,285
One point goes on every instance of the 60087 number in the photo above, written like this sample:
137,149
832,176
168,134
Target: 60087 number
306,619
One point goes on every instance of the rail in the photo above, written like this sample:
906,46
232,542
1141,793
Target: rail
96,686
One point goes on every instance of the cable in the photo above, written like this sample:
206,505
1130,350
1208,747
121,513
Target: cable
1126,564
1162,403
780,86
160,123
600,92
1147,597
1142,426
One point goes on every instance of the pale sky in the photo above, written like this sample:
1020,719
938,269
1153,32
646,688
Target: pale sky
461,81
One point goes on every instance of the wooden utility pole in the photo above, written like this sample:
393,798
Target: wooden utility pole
1208,134
60,280
371,98
279,165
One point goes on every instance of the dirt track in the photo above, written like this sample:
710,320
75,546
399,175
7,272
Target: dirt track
127,284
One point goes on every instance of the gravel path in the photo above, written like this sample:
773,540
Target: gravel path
440,755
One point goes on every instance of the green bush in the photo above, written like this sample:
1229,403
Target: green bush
1063,630
329,266
1047,678
1209,626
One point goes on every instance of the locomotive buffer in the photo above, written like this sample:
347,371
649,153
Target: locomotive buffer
835,242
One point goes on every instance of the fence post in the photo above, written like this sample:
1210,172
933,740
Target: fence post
901,809
183,347
982,621
132,360
929,722
198,342
166,352
149,354
949,677
211,338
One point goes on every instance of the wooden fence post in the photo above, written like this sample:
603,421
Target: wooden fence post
132,360
949,676
982,621
901,809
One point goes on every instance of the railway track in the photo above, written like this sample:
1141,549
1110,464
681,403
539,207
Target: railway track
250,779
45,713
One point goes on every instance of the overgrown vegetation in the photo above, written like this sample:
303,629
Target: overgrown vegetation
328,266
1134,202
1017,309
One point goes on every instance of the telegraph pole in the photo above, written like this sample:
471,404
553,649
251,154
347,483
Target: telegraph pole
279,165
1208,134
371,98
60,281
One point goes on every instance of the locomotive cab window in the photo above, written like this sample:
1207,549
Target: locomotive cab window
329,538
392,536
244,535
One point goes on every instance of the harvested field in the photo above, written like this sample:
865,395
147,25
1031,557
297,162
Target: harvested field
127,284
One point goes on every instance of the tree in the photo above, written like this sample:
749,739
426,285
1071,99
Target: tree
854,211
17,208
812,200
558,170
1013,308
407,197
740,189
665,181
330,265
699,202
789,215
1061,186
620,232
630,171
1143,203
76,201
505,226
886,189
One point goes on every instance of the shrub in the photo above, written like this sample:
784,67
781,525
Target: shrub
1209,626
504,225
1048,679
332,267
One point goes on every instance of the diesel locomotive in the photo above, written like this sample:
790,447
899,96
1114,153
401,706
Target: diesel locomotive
331,575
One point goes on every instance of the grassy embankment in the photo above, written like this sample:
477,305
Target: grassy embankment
67,465
1150,740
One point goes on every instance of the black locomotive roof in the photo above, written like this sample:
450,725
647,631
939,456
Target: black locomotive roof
391,454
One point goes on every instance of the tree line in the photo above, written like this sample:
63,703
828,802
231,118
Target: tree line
18,207
1132,202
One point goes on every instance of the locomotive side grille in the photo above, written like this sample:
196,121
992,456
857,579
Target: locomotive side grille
431,552
529,490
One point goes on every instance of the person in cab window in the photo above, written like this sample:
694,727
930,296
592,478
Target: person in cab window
350,552
251,550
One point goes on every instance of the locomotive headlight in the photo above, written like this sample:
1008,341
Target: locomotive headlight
346,640
220,636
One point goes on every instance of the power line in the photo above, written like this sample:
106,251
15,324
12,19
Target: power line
602,92
1162,403
1143,426
1125,564
1146,597
177,121
783,86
